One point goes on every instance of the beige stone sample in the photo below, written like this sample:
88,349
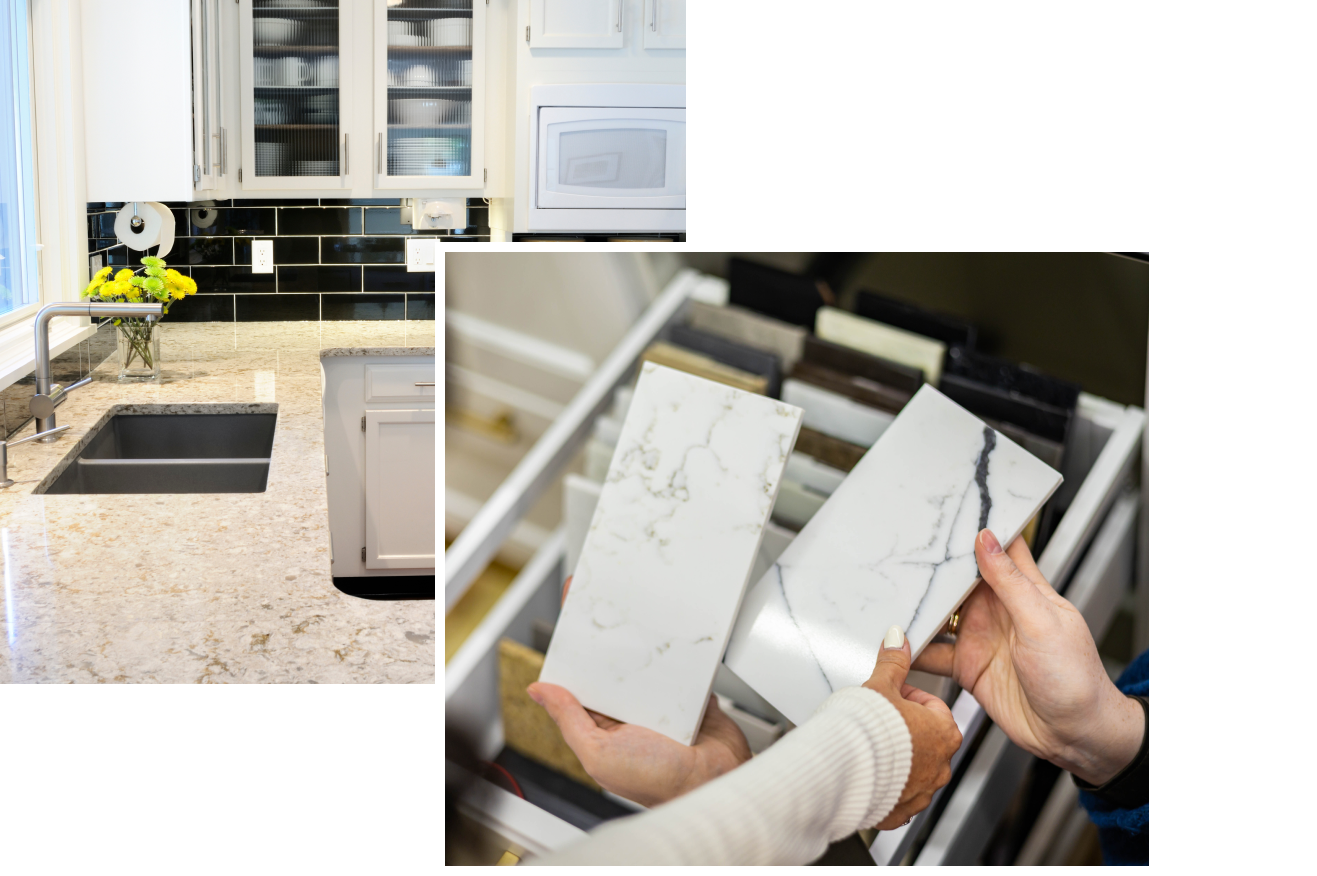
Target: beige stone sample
527,728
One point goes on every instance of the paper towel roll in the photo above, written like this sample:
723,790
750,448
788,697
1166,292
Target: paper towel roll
157,227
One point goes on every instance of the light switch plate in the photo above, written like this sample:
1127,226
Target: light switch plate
420,254
262,256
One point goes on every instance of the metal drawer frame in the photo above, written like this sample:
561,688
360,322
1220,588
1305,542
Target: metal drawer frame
973,804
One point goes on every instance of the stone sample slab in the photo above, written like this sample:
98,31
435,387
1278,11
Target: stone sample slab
876,339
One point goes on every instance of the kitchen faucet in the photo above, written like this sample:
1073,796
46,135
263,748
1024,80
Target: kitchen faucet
49,397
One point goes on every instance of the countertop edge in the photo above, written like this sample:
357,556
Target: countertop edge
335,352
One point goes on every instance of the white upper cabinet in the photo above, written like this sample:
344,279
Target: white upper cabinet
163,160
296,131
975,24
429,77
576,24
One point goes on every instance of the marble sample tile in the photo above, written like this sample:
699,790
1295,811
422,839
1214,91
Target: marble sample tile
881,340
836,415
833,452
1012,377
580,495
864,391
671,356
670,549
893,545
857,363
527,728
898,314
732,354
809,472
1029,414
752,329
772,292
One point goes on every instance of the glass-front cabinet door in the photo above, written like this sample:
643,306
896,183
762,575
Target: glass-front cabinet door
296,117
429,94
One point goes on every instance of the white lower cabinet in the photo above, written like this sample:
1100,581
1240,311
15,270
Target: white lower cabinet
379,416
1088,558
400,513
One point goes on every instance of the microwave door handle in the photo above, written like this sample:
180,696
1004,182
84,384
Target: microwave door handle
653,15
619,14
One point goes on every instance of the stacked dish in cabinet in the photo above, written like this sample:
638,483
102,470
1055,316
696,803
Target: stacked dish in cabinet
429,87
295,59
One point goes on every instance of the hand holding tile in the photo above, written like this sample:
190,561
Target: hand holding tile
1027,656
638,763
934,736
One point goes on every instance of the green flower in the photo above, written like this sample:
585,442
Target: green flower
153,262
155,272
137,281
154,285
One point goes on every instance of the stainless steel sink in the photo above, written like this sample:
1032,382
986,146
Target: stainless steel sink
172,453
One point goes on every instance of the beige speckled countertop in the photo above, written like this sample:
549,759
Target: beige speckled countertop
219,587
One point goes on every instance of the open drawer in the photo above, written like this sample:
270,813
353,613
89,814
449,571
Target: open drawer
1090,550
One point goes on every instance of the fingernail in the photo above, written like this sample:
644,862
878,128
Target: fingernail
894,638
990,543
535,695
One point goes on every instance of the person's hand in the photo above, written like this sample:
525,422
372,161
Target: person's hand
638,763
1027,656
934,736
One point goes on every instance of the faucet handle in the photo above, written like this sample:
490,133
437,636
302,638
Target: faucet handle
43,405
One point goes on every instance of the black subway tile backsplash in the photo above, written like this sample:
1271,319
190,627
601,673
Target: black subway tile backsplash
319,220
273,308
225,222
380,278
335,258
420,306
363,250
226,280
201,308
362,306
319,278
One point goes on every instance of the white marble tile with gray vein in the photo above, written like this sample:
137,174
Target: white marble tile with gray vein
893,545
670,549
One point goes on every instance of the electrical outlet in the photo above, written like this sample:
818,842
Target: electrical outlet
262,256
420,254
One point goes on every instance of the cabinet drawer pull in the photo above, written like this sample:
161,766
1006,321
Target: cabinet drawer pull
431,383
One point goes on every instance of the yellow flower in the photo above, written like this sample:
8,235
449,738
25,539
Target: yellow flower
124,275
189,284
102,274
177,292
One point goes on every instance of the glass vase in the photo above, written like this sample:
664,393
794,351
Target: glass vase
139,349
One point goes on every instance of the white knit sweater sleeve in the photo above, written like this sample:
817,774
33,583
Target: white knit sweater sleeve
842,770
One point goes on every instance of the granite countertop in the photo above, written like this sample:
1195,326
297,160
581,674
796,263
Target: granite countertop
334,352
228,587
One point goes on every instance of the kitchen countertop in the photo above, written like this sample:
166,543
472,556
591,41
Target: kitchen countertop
228,587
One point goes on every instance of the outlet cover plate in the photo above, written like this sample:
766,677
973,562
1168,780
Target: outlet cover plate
420,254
262,256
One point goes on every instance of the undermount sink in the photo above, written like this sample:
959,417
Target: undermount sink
173,453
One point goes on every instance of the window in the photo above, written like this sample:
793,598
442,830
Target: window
18,251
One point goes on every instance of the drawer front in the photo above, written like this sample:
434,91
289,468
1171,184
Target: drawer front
401,383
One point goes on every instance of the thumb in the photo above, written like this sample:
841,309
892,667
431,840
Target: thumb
577,727
1023,601
893,663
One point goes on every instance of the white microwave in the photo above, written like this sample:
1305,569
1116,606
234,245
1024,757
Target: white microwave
659,164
